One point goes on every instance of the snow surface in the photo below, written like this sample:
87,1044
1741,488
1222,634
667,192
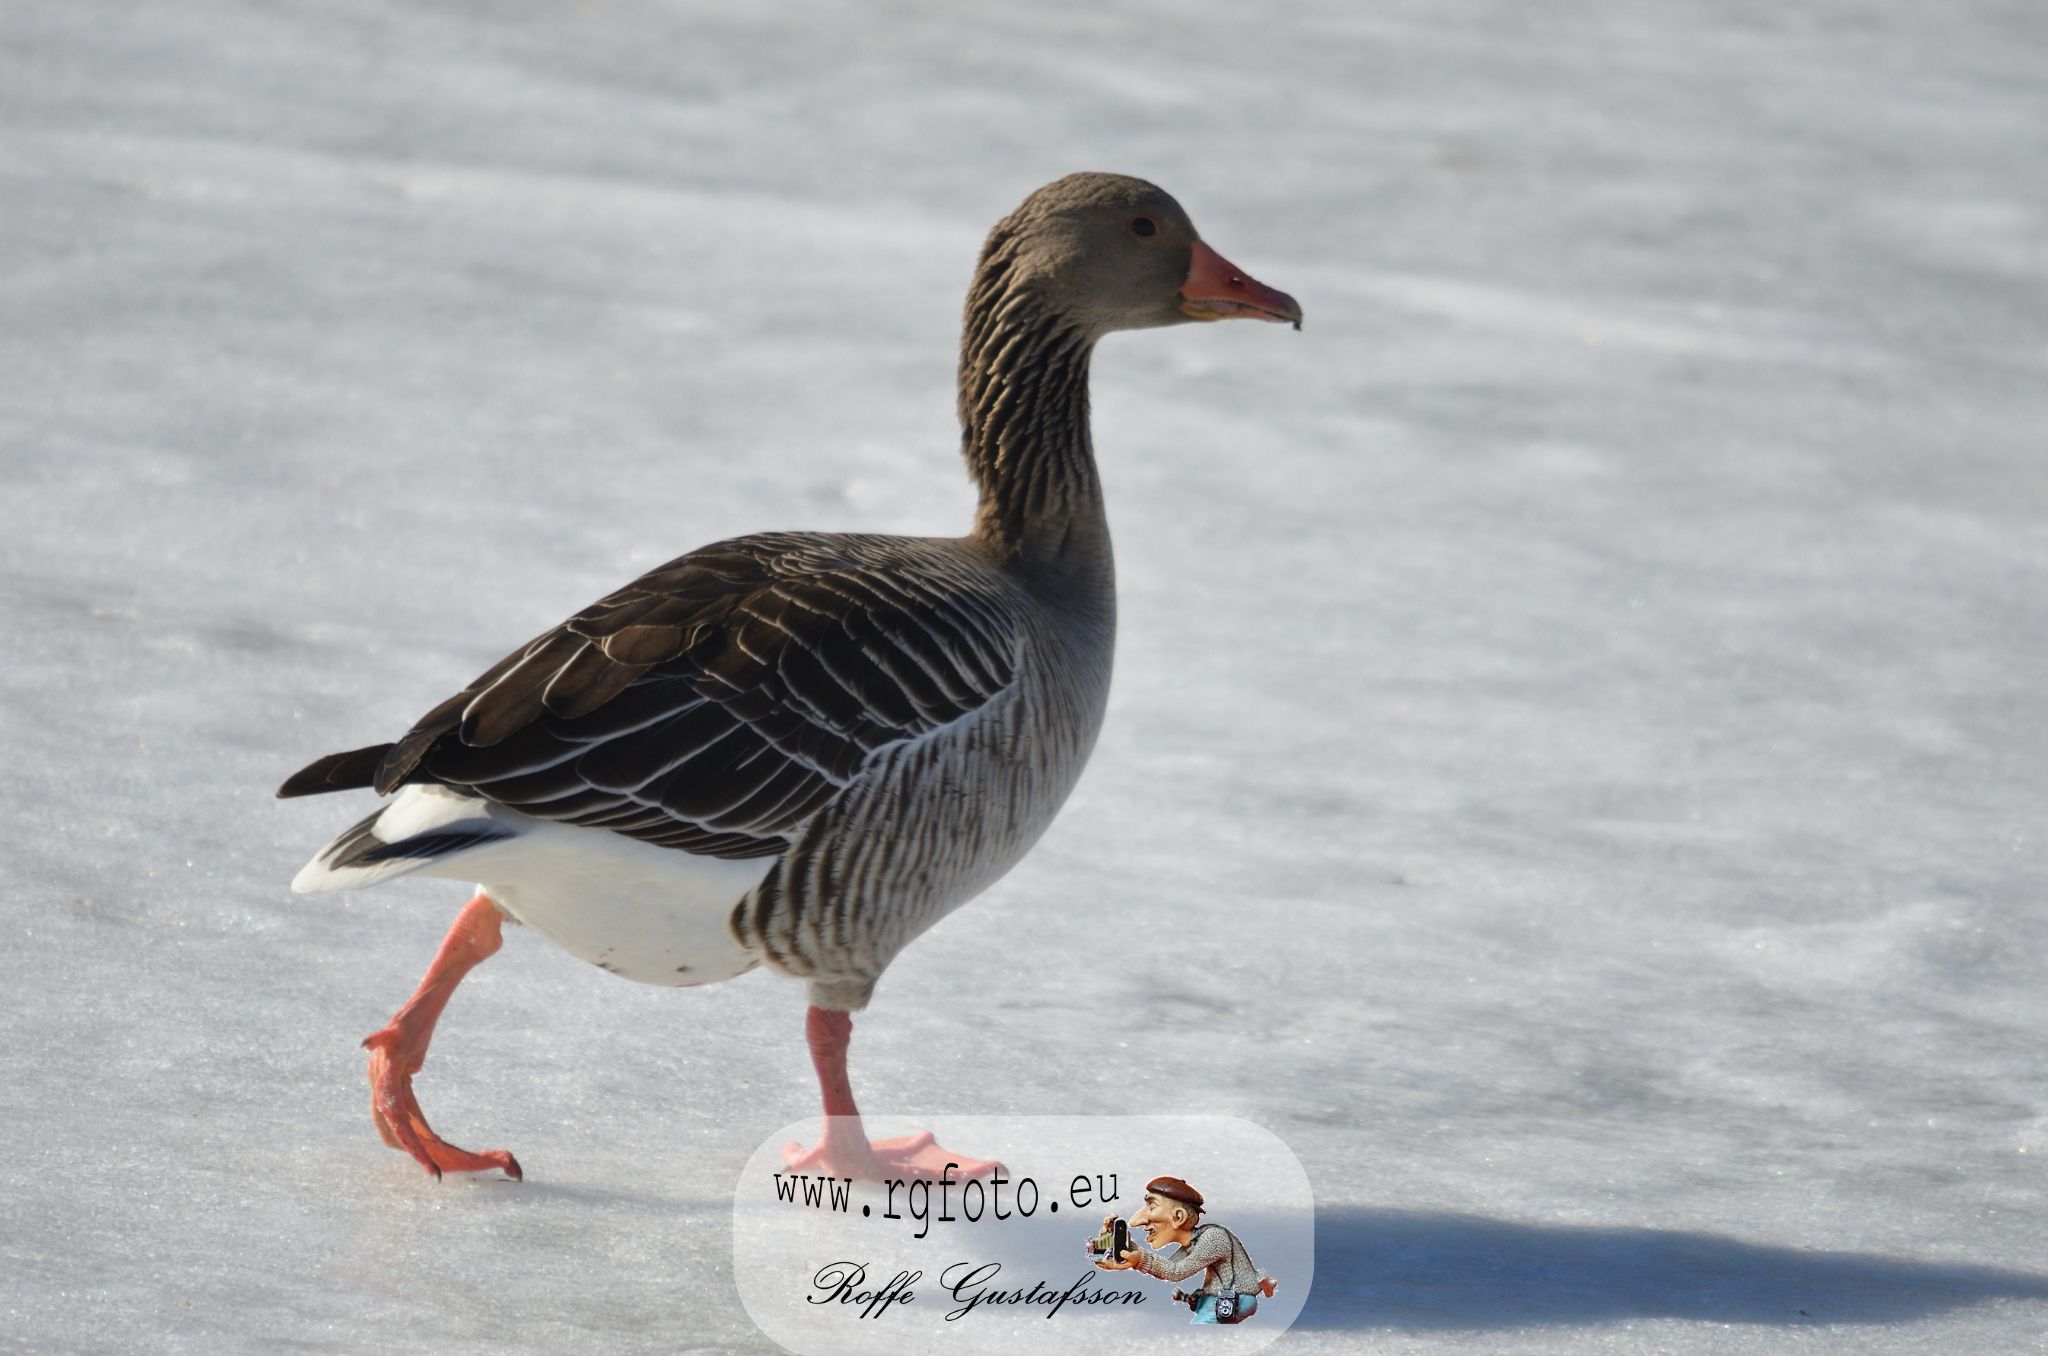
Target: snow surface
1602,655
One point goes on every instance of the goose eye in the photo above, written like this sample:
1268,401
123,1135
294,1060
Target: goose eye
1144,226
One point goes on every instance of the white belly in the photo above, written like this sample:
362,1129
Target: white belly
653,914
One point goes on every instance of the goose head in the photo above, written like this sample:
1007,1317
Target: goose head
1108,252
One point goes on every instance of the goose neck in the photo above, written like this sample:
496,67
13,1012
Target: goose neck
1024,430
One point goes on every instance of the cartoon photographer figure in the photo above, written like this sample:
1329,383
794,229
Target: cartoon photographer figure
1231,1281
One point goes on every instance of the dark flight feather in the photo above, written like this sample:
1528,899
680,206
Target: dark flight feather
719,701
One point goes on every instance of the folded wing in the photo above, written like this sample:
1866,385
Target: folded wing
718,702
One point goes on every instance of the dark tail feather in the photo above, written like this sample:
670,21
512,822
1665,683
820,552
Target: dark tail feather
360,858
360,845
336,772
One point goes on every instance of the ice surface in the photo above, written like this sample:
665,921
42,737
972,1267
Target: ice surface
1603,653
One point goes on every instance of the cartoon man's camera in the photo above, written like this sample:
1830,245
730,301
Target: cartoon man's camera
1231,1283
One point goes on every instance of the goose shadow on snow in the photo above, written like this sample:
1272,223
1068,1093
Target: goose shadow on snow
1424,1270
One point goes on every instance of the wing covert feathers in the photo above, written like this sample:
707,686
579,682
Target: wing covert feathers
719,701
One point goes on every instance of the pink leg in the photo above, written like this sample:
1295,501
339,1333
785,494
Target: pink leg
398,1051
846,1150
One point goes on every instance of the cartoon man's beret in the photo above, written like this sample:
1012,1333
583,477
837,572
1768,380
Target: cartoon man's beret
1173,1189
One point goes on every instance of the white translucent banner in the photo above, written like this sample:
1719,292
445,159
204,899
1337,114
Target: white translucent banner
1002,1262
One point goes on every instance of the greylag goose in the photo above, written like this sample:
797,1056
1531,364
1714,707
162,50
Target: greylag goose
802,749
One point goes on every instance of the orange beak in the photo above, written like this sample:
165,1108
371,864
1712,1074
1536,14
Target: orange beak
1217,289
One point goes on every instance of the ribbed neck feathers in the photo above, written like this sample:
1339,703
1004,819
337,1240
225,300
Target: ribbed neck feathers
1024,408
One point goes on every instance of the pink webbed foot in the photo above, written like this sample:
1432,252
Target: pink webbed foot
404,1126
846,1151
398,1051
